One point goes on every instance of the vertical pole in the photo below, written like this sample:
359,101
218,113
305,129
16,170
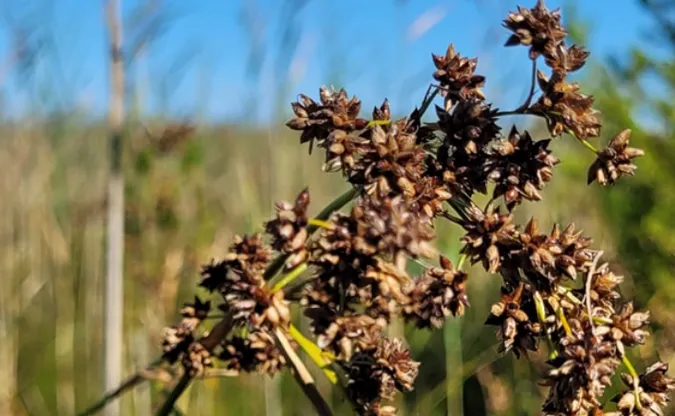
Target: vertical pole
114,301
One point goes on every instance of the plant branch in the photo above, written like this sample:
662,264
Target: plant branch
528,100
170,401
314,352
636,379
541,315
302,375
589,282
129,383
289,277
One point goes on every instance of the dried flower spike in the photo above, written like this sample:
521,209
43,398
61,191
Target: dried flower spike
615,160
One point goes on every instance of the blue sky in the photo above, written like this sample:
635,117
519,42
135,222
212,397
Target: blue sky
376,49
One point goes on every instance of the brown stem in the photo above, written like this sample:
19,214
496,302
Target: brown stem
127,384
589,280
301,374
528,100
177,391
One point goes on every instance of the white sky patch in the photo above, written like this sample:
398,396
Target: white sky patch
425,22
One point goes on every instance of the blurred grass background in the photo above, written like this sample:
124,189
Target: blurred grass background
184,204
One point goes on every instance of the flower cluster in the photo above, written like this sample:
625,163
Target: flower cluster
406,175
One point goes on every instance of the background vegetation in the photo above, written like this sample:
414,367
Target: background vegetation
186,199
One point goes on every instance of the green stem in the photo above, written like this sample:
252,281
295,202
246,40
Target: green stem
315,353
602,321
461,261
636,380
541,314
335,205
288,278
560,313
373,123
168,405
585,142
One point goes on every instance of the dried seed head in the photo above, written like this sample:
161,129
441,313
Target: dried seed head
489,236
515,318
177,339
437,294
344,335
256,352
520,168
456,76
335,111
615,160
538,28
197,359
288,230
376,374
652,392
565,108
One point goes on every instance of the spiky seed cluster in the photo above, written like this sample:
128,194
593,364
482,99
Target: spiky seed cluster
581,373
565,108
239,279
651,394
489,234
522,168
177,339
254,352
614,160
592,344
439,293
516,321
457,78
354,259
547,259
289,230
538,28
377,372
561,104
317,120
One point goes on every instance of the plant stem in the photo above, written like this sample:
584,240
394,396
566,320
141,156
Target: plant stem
461,261
589,283
335,205
314,352
373,123
301,374
168,405
528,100
428,99
585,142
560,313
289,277
320,223
541,314
636,380
128,384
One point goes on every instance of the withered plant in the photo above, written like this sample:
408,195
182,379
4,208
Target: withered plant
346,270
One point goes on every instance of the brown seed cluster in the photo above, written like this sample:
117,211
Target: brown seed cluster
289,230
614,160
561,103
407,175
